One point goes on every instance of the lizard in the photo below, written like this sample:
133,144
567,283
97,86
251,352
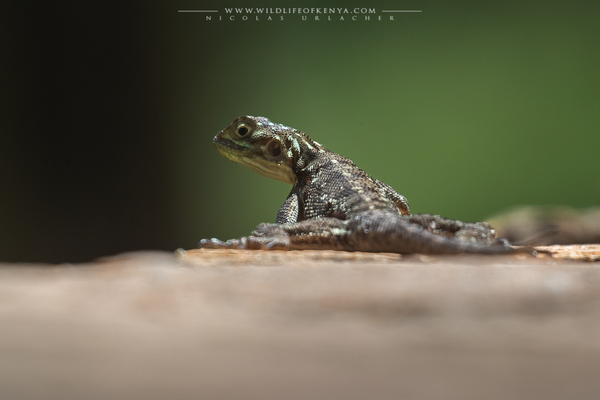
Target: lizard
335,205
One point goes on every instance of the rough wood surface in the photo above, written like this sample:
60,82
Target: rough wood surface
586,252
226,324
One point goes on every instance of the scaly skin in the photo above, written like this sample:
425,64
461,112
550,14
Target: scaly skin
334,204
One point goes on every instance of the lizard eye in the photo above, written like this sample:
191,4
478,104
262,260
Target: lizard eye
242,130
273,148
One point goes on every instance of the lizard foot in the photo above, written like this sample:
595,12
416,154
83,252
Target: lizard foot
215,243
279,242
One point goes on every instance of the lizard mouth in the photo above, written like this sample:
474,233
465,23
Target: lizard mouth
280,172
245,155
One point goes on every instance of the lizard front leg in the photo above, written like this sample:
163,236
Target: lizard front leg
318,233
287,233
265,237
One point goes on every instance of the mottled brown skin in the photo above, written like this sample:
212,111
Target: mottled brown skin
334,204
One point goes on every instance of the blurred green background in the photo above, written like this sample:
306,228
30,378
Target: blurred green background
467,109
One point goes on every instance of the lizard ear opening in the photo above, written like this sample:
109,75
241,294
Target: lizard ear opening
273,149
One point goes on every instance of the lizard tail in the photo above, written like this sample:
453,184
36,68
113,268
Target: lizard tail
384,231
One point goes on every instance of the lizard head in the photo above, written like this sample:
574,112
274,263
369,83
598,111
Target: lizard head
260,145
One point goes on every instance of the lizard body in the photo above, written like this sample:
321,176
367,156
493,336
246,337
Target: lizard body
334,205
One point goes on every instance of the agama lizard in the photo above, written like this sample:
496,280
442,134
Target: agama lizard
334,205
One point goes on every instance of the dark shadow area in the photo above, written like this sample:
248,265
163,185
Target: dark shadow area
84,169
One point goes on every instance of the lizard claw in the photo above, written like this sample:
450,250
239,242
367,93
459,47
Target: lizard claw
247,243
213,243
278,243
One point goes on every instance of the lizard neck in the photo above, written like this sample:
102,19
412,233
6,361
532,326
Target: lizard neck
304,152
